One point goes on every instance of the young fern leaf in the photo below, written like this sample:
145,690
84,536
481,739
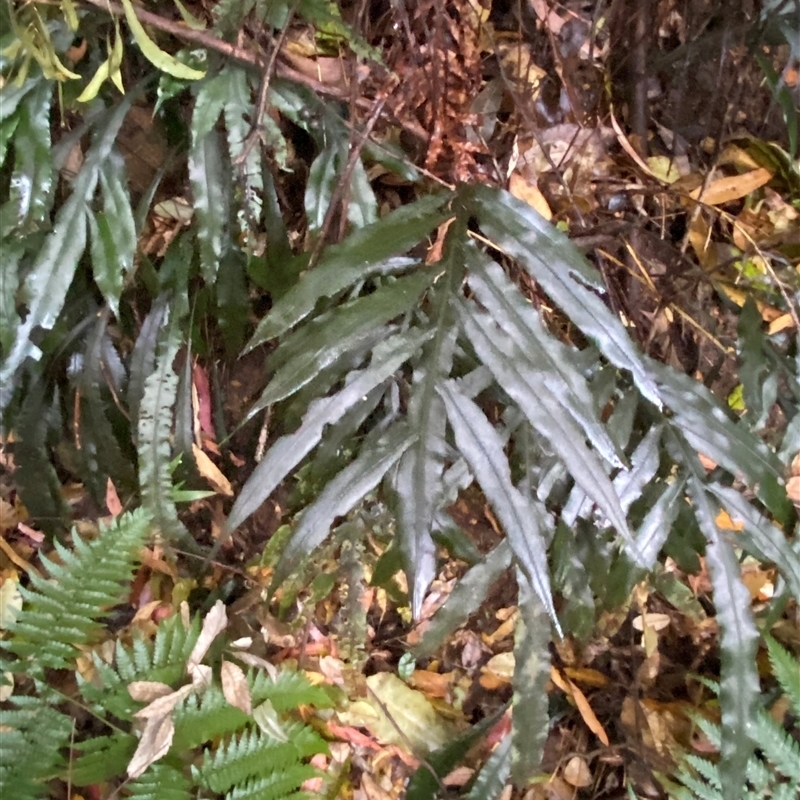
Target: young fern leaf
161,782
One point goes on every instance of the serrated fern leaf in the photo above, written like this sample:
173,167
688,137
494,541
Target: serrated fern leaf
782,750
772,772
785,669
32,736
253,754
65,611
161,782
101,758
274,787
162,660
202,718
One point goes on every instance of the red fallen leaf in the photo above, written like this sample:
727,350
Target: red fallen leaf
113,503
352,735
500,730
203,390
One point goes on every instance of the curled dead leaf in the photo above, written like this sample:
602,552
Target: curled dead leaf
235,687
154,744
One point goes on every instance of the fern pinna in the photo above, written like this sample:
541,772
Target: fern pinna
773,773
213,748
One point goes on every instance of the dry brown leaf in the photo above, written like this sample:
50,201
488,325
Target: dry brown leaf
163,704
211,472
581,703
147,691
154,744
214,623
576,772
434,684
585,675
793,490
235,687
113,503
780,323
651,620
733,187
529,193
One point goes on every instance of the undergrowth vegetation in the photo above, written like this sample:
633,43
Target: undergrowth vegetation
448,342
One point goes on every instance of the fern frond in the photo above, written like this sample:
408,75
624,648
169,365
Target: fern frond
254,753
199,719
102,758
274,787
65,611
33,735
781,749
163,660
161,782
289,690
785,669
773,772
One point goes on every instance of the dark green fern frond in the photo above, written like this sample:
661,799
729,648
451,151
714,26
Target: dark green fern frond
64,611
102,758
30,744
254,754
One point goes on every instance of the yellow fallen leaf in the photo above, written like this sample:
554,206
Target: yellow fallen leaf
210,471
581,703
725,523
529,193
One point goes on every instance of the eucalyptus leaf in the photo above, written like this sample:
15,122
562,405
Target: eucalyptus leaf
153,53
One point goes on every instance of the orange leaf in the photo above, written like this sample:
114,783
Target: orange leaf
581,703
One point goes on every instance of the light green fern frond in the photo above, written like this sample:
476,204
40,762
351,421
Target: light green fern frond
162,659
63,612
161,782
30,747
786,671
773,773
201,718
254,753
275,787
